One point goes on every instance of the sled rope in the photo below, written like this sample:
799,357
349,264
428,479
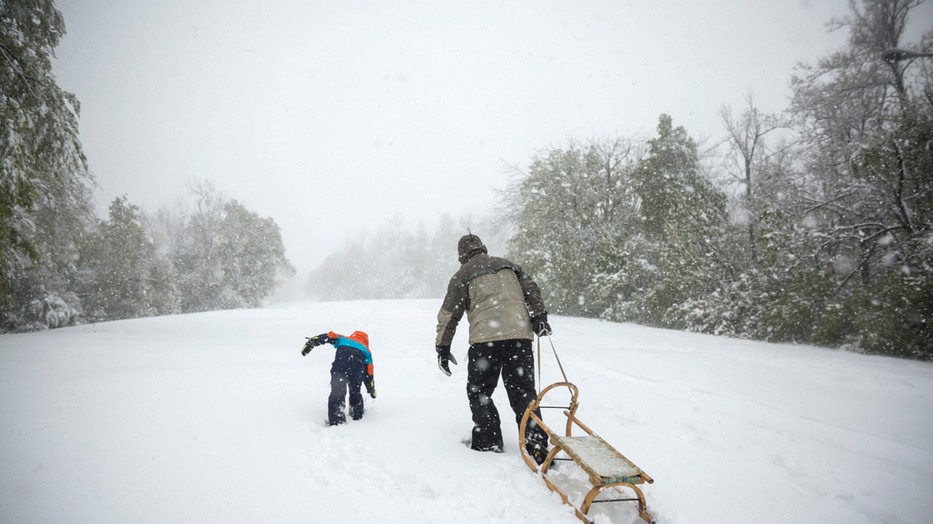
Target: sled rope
557,358
538,375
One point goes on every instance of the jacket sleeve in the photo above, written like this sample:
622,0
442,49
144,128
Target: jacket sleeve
368,360
532,293
455,303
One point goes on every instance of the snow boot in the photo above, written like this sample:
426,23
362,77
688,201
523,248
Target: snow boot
537,452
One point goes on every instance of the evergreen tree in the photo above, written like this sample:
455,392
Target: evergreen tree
45,203
617,232
683,219
124,275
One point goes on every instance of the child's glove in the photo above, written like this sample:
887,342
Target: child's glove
323,338
443,357
371,388
315,341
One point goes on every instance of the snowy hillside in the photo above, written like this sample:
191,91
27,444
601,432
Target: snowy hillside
216,417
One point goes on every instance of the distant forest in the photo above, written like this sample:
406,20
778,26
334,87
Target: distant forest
810,226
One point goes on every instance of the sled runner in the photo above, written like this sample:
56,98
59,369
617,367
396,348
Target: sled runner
606,467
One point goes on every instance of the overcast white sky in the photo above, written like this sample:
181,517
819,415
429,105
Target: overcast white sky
334,117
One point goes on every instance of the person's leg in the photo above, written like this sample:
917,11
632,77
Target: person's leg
336,400
356,397
482,378
518,376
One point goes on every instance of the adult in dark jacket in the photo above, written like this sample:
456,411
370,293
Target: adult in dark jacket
505,310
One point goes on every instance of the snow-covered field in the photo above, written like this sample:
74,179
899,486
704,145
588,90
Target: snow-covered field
216,417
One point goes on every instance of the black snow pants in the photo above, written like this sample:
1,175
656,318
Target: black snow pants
347,373
514,359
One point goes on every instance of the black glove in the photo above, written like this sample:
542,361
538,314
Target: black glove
371,388
316,341
309,345
540,326
443,357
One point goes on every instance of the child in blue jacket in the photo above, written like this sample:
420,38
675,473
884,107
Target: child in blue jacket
352,367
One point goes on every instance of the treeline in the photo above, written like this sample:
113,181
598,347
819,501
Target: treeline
825,237
391,263
829,239
218,256
811,226
59,265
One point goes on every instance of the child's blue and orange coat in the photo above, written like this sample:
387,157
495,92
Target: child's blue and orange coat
359,341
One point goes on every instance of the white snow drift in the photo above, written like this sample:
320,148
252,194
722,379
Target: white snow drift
216,417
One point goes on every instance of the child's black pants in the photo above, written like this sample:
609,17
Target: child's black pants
346,375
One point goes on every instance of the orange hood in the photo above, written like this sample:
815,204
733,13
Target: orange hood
360,337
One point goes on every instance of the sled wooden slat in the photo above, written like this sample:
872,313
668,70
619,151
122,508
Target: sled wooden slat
605,466
597,457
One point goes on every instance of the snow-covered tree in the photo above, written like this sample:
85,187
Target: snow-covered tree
746,161
251,255
683,217
617,229
45,202
225,255
570,213
123,274
194,253
865,114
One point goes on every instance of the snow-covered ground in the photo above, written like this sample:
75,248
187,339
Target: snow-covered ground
216,417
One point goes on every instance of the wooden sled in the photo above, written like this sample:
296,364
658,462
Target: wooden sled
606,467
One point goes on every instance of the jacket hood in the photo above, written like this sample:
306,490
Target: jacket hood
360,337
468,246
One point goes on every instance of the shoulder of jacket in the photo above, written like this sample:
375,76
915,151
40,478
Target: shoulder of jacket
499,263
